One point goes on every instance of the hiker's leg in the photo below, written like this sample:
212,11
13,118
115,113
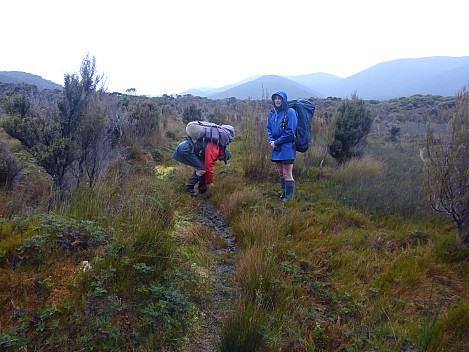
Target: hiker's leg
192,181
282,180
280,169
289,182
202,185
288,172
282,186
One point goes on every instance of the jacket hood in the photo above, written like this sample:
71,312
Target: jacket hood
283,95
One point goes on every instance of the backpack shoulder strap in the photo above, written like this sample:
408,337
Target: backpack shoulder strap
285,118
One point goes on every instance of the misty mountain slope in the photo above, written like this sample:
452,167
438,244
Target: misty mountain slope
315,80
438,75
405,77
207,91
18,77
266,85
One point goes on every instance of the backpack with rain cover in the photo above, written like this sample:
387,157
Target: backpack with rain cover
305,111
219,134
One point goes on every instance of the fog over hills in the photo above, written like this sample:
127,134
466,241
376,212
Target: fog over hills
438,75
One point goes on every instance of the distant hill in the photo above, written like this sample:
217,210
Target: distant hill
205,91
266,85
438,75
17,77
315,80
254,87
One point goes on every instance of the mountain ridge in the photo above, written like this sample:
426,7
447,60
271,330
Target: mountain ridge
265,84
435,75
19,77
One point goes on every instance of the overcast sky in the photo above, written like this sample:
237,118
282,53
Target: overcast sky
170,46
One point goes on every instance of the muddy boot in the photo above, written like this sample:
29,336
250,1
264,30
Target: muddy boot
191,182
289,190
202,185
282,184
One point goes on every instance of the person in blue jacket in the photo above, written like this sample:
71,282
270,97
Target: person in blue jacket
281,130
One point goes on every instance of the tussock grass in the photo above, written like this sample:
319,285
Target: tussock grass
256,150
340,219
12,234
451,330
359,182
387,182
358,170
259,226
309,163
256,228
256,275
139,209
9,166
294,224
243,200
30,194
241,331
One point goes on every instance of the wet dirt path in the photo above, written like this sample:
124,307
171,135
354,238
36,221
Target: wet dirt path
224,292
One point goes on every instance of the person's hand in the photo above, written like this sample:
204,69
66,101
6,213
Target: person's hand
272,144
210,185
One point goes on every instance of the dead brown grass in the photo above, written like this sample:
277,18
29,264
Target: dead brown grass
32,289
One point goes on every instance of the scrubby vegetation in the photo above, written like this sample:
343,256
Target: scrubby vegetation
357,262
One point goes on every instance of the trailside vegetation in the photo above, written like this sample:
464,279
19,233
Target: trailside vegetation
448,168
353,123
359,261
67,136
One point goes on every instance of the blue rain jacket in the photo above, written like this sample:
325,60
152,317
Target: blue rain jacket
190,154
284,138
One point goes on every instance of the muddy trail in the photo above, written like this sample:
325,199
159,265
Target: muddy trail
223,294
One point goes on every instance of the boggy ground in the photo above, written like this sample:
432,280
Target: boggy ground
220,301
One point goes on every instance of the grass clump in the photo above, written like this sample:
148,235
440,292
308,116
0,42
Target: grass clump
449,329
242,330
256,276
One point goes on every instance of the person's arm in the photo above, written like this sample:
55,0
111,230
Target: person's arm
269,129
211,156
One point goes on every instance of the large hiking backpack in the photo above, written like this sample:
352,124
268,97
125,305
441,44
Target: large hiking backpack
220,134
305,111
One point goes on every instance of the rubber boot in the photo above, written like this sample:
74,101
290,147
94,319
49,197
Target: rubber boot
202,185
289,190
191,182
282,184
